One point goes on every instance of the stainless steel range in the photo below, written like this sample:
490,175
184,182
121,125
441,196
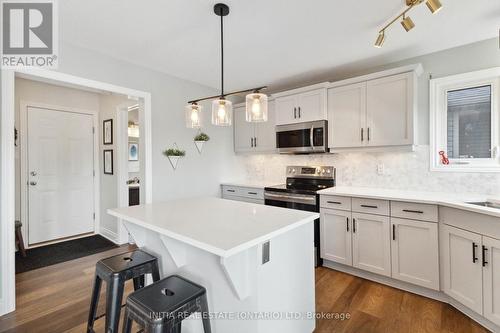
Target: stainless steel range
300,192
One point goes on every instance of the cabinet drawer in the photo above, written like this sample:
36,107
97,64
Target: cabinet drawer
370,206
246,192
254,193
415,211
335,202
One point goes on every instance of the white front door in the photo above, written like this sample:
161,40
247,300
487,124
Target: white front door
60,174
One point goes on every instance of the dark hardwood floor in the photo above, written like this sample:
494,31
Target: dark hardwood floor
56,299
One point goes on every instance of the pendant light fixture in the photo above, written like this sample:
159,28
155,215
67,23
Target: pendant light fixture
222,108
407,23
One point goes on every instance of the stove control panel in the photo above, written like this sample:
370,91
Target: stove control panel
311,171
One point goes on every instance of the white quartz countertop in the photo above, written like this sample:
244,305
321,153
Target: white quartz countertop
222,227
454,200
249,184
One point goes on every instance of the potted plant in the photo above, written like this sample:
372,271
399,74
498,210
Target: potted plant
199,140
174,154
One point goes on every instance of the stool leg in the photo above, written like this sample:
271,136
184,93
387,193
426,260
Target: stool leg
93,303
114,295
127,322
19,237
139,282
205,314
156,272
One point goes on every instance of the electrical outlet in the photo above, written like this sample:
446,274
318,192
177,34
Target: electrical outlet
380,169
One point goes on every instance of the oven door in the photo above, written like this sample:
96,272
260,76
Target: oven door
300,202
309,137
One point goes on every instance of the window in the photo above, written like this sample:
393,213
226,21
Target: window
465,123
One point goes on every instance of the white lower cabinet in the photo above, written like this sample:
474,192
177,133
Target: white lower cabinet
371,243
463,271
491,278
336,243
415,252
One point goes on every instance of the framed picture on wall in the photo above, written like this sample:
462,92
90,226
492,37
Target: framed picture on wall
133,151
107,132
108,162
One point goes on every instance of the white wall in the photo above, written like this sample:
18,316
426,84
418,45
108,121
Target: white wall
403,170
196,174
108,107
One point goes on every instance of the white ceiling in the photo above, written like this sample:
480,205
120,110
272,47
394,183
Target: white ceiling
273,42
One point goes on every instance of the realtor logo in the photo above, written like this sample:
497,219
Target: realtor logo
29,34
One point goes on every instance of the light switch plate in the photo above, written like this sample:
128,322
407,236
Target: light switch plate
266,248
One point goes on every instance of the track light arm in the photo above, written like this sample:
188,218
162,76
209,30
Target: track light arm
410,6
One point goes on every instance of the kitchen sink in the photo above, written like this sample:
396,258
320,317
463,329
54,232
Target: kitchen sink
486,204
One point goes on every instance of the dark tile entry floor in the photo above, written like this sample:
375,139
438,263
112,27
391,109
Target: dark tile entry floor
61,252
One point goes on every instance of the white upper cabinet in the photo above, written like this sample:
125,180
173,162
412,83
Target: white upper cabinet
463,271
254,137
346,115
372,114
301,105
389,110
265,133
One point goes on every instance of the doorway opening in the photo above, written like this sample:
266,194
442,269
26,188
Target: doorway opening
68,159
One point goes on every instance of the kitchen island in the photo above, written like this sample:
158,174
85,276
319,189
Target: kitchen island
256,261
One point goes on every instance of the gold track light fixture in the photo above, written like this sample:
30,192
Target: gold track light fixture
407,23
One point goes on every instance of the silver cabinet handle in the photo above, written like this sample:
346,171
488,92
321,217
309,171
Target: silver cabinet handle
32,183
311,135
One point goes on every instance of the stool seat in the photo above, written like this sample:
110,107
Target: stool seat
161,306
125,262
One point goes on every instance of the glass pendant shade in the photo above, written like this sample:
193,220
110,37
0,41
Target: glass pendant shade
193,116
256,107
222,112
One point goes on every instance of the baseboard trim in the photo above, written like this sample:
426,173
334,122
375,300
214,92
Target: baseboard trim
109,235
422,291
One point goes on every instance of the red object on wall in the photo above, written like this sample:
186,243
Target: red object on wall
444,159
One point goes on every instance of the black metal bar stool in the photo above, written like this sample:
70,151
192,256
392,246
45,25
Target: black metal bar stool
163,305
115,271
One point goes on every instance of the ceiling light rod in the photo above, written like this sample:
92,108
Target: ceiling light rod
410,6
228,94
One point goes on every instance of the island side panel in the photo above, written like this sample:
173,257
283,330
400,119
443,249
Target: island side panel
286,284
282,286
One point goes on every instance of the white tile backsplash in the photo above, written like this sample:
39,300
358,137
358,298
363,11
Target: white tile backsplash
401,171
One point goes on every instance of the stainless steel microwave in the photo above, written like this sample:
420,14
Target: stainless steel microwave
302,138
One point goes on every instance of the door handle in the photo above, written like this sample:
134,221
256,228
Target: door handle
393,232
484,256
295,113
353,226
474,247
347,223
362,138
32,183
33,173
300,116
368,133
255,142
369,206
251,142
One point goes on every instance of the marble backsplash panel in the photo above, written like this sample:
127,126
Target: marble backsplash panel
402,170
